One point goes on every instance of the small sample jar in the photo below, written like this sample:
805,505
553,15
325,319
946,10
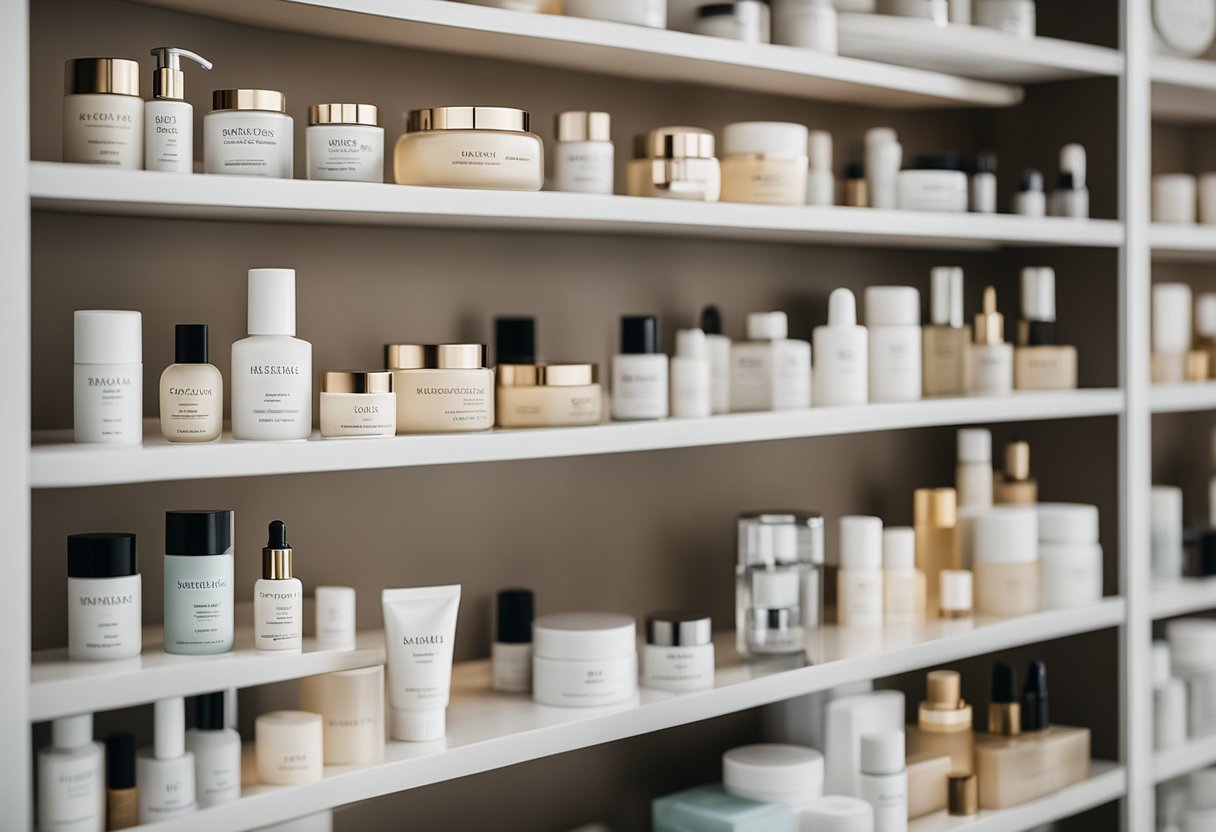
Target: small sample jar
548,395
248,133
470,147
676,163
584,659
584,160
774,773
105,597
289,747
651,13
441,388
344,143
679,652
1006,561
335,617
351,705
1070,557
103,114
807,24
743,20
764,162
778,581
1175,198
358,403
107,377
1193,658
934,183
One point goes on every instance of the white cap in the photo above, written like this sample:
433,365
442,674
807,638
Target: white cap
819,150
1171,317
946,296
1161,663
881,135
169,728
690,343
892,306
72,731
768,769
1072,160
580,636
1205,315
899,549
418,726
1039,293
1007,534
272,302
335,617
842,308
860,543
1068,523
108,336
975,445
882,753
776,137
955,590
1192,642
1165,507
837,813
767,326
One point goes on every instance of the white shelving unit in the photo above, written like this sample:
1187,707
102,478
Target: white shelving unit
1180,398
1182,597
1184,243
1184,89
1183,759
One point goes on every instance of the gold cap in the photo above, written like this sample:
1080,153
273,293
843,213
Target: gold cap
269,100
943,690
935,507
989,324
468,118
1005,718
116,76
546,375
366,114
435,356
963,794
1017,461
583,126
357,381
1197,366
276,564
674,143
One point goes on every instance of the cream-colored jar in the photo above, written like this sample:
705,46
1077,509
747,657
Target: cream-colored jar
764,162
548,395
248,133
441,388
103,115
470,147
358,403
674,162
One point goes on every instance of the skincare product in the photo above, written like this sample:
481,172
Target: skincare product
937,11
679,652
718,347
933,183
278,598
1171,332
358,403
198,582
764,162
1015,485
1183,28
840,350
103,113
769,371
651,13
1207,197
1165,518
441,388
964,799
856,187
470,147
548,395
903,590
1192,643
1169,701
1070,557
983,184
711,807
884,780
351,705
742,20
956,589
1174,198
1039,361
820,181
809,24
1006,559
217,752
248,133
945,339
639,371
884,156
168,118
105,596
335,617
71,779
848,720
859,582
584,659
690,372
1071,197
165,772
122,797
191,390
936,528
419,631
584,158
1031,199
344,143
511,652
674,162
943,723
774,773
779,581
290,747
514,340
837,813
973,473
989,365
108,377
893,321
272,369
1014,17
927,781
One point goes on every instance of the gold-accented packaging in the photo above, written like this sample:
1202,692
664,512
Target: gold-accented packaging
107,76
441,388
548,395
943,724
270,101
470,147
584,126
935,512
344,143
1015,485
358,403
675,162
963,794
367,115
248,133
1004,711
103,113
276,563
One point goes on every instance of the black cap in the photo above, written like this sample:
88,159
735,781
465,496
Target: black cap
191,344
1035,714
716,10
1207,553
120,762
515,611
102,555
1066,182
639,334
1031,180
854,170
1004,683
985,162
276,535
198,532
209,711
515,340
711,321
938,161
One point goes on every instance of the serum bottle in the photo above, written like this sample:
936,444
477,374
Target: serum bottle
511,653
191,390
70,795
945,339
983,184
217,752
278,617
168,119
690,376
860,579
1039,362
165,772
639,371
989,357
841,374
718,346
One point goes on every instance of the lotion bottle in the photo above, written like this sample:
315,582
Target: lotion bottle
277,598
71,794
841,376
168,118
718,346
989,357
860,580
690,376
217,752
983,184
165,772
820,182
973,474
884,780
903,588
893,319
1031,200
639,371
884,156
944,348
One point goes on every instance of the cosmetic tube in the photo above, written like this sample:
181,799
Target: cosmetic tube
419,628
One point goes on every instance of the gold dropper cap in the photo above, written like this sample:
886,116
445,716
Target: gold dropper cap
1017,461
276,555
989,324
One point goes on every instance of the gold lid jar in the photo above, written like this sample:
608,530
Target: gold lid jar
435,356
470,147
674,143
583,126
468,118
548,395
366,115
270,101
109,76
357,381
675,163
547,375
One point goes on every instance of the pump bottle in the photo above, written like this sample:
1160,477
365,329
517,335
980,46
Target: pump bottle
841,376
168,119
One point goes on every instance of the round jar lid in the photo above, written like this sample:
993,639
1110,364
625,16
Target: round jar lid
271,101
468,118
1007,534
546,375
116,76
107,336
892,306
357,381
583,126
674,143
364,114
295,730
582,636
435,356
102,555
1067,523
772,769
766,138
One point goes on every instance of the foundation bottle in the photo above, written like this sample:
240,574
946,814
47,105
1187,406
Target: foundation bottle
1007,561
903,590
945,339
936,527
989,366
943,723
1039,361
1015,484
191,390
856,190
122,798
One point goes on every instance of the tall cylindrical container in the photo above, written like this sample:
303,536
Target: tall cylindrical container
893,321
105,597
1006,559
108,377
198,582
584,160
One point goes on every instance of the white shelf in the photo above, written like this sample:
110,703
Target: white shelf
1183,243
57,463
59,687
1181,398
1184,89
487,730
1182,596
1183,759
972,51
1107,782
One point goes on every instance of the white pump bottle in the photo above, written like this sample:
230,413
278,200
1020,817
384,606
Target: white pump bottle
168,119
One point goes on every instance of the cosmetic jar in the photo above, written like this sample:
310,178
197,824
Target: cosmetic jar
674,162
344,143
351,706
107,377
651,13
1014,17
584,159
198,582
934,183
1070,557
470,147
248,133
358,403
289,747
711,807
778,581
334,607
103,113
764,162
548,395
1174,198
105,597
807,24
1183,27
1193,658
1006,561
679,652
838,813
936,10
744,20
584,659
895,341
511,652
441,388
775,773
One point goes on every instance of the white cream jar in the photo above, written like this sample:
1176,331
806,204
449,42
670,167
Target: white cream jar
934,183
584,659
679,652
548,395
764,162
470,147
584,159
358,403
103,115
652,13
344,143
441,388
248,133
105,597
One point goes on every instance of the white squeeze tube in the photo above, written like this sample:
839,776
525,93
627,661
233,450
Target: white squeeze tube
419,628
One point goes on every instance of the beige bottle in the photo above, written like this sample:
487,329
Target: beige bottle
1039,362
945,339
943,723
903,591
936,528
1015,485
191,390
989,369
1007,561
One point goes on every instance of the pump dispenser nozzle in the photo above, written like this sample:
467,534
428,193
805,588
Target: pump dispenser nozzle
168,81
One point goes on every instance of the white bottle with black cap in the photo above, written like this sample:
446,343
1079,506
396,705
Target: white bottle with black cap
1031,199
639,371
983,184
860,579
893,321
841,376
820,181
511,652
718,347
217,752
884,780
690,376
769,371
105,597
272,369
71,789
198,588
1071,196
679,652
108,377
278,597
165,772
168,117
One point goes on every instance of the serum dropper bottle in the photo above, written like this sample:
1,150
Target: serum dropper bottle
277,597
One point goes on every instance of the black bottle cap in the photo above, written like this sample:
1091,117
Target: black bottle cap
938,161
209,711
1031,180
985,162
639,334
1066,181
854,170
711,321
515,340
276,535
1041,333
1035,712
102,555
120,762
191,344
515,611
198,532
716,10
1207,553
1003,683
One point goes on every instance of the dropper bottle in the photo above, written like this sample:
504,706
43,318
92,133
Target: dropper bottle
168,118
989,367
277,597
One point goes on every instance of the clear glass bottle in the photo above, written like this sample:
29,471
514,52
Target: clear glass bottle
779,581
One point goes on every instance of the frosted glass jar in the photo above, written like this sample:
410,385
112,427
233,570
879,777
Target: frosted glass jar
248,133
652,13
104,597
441,388
470,147
584,659
676,163
344,142
548,395
679,652
358,403
103,115
584,159
778,581
764,162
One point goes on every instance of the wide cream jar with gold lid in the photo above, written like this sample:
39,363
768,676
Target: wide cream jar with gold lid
470,147
441,388
674,162
548,395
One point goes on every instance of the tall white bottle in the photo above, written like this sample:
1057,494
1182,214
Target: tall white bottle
841,376
165,772
639,371
690,376
168,118
884,157
860,579
769,371
893,319
718,346
820,181
278,597
884,780
272,369
217,752
71,784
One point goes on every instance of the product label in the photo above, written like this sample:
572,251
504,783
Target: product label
277,614
103,134
271,399
191,411
584,167
103,617
72,794
345,153
108,403
444,400
198,603
248,145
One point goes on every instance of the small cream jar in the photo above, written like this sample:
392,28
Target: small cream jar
548,395
441,388
351,705
584,659
248,133
764,162
289,747
470,147
344,143
679,652
676,163
934,183
103,114
358,403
